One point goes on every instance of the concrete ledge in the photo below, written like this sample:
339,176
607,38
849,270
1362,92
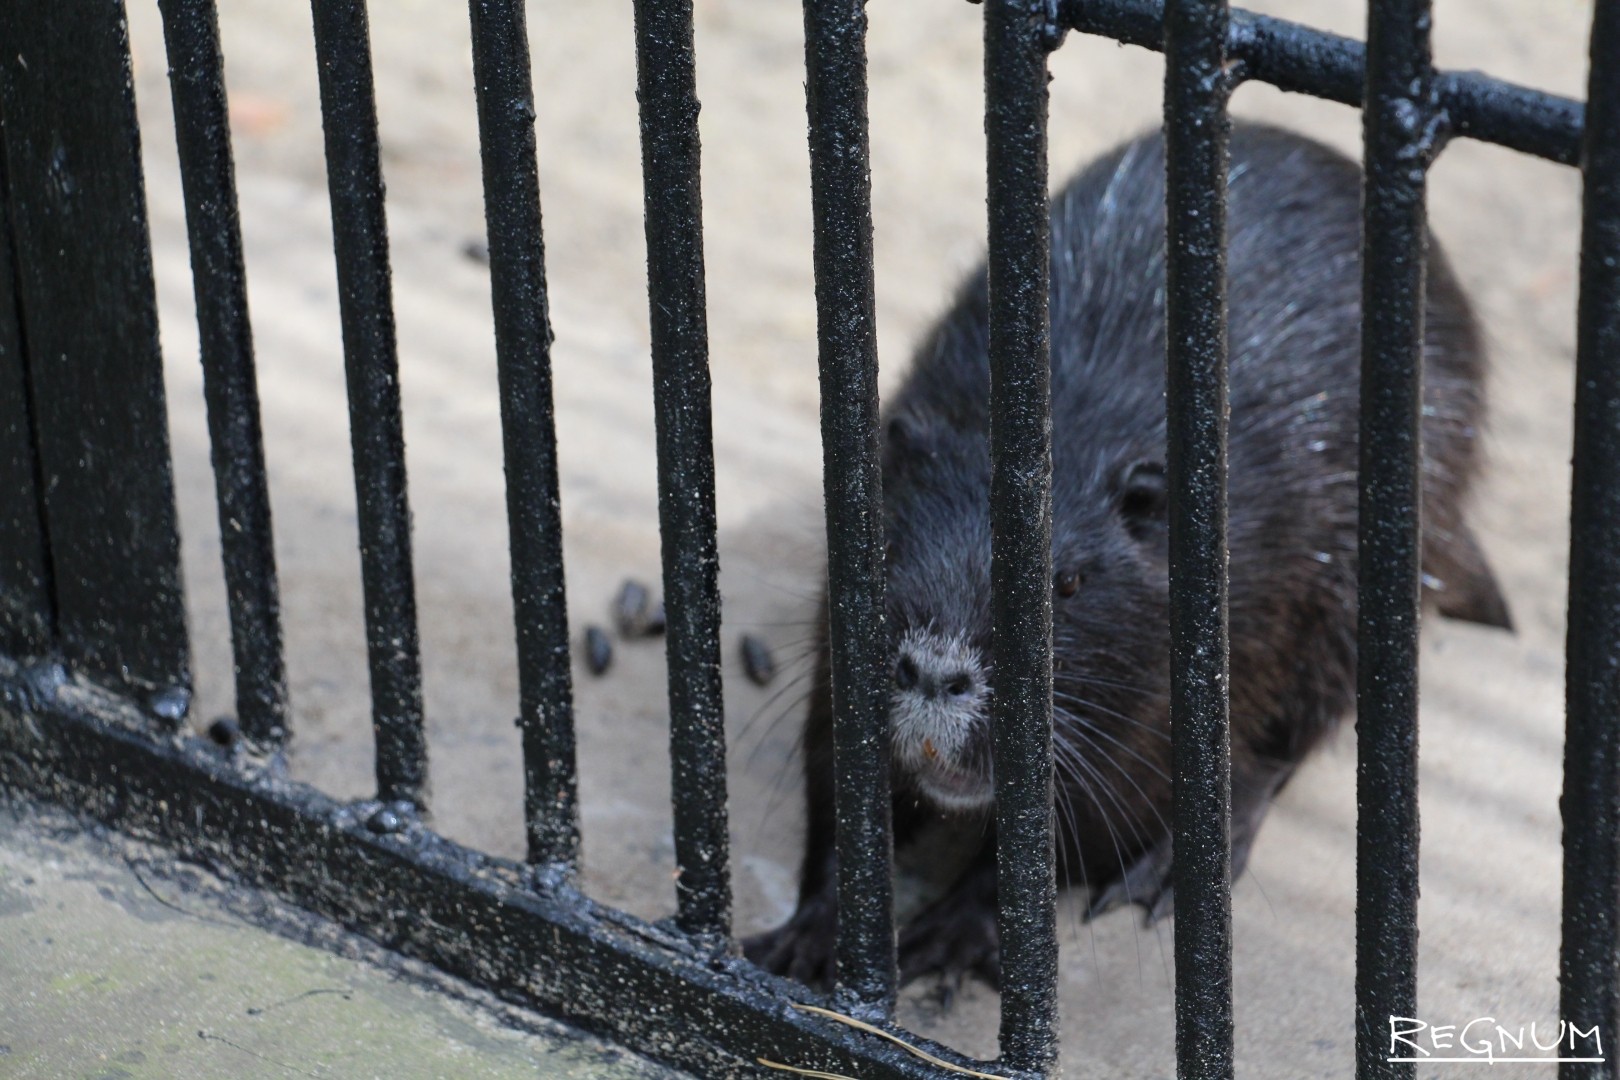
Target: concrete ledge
119,962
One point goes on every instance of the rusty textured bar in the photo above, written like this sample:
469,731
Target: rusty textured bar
1018,34
841,197
1401,121
371,361
1589,969
523,353
667,89
230,385
1196,132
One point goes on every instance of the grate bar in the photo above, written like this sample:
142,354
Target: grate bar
219,279
25,585
360,242
1305,61
1018,35
1400,125
1196,158
1589,975
666,80
841,196
523,351
83,265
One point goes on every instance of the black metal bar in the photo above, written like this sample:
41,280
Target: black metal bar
666,82
26,620
1306,61
219,279
84,277
471,915
841,196
523,350
360,242
1401,121
1017,36
1196,132
1589,969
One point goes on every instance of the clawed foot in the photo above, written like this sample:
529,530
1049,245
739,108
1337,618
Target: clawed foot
1145,882
956,938
1148,881
801,948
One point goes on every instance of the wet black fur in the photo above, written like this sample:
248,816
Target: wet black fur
1294,301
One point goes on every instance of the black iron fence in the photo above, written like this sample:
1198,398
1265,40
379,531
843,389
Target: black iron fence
94,662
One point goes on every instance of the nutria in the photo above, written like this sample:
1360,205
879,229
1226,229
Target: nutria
1294,334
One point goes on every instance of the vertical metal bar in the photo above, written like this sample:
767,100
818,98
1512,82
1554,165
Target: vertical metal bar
841,196
84,279
1589,971
25,584
1196,130
1018,34
523,350
360,242
208,176
1399,117
666,82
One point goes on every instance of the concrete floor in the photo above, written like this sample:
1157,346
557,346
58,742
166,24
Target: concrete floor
119,965
1492,720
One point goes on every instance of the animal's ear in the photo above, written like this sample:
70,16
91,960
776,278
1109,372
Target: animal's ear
1141,491
899,435
906,437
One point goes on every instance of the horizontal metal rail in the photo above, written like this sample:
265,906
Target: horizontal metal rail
1306,61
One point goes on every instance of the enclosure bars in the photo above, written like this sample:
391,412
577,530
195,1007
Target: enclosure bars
1401,121
360,243
1588,975
846,333
1017,36
225,338
666,86
97,544
1196,132
529,440
1305,61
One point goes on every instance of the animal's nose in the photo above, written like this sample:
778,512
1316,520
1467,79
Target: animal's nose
930,677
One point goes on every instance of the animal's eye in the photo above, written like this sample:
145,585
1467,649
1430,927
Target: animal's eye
1068,583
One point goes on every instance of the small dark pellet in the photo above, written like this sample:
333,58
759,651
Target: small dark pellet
758,662
630,608
476,251
224,731
598,650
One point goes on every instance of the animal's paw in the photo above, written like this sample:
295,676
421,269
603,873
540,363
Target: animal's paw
801,948
1145,882
955,938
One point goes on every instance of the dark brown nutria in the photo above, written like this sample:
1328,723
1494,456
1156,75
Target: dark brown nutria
1294,268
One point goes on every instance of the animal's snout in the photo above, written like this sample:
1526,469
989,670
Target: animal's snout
933,673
